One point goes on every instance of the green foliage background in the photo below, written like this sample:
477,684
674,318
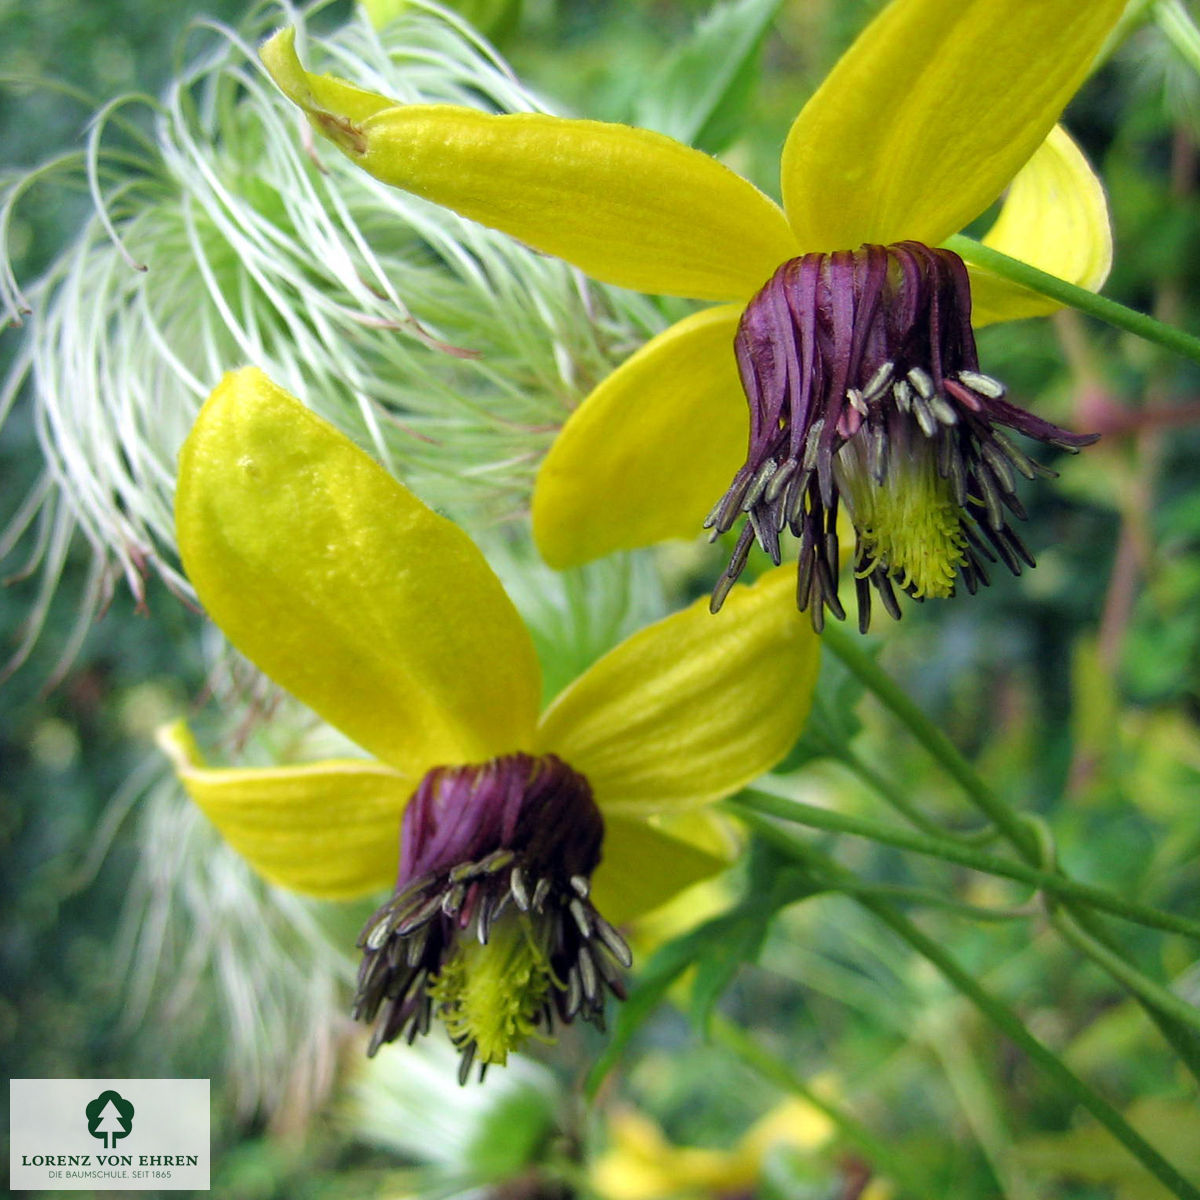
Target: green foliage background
1075,689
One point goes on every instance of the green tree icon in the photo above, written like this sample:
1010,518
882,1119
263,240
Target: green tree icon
109,1117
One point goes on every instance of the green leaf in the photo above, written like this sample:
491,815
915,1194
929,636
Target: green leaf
701,93
511,1132
772,882
1090,1153
717,948
496,19
664,966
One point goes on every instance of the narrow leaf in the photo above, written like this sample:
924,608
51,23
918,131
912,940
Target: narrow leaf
717,949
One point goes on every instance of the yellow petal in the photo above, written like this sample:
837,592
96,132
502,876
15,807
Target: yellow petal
627,206
705,828
333,104
329,829
643,867
792,1122
931,112
1055,218
650,451
346,589
683,908
692,707
639,1163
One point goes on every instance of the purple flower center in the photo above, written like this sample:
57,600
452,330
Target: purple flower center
491,927
864,388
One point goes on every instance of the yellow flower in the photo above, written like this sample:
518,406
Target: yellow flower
641,1164
526,836
854,341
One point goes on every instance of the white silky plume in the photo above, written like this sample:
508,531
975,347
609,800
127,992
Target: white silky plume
223,236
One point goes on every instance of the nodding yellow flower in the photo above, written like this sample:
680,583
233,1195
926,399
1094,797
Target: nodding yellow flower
852,330
523,837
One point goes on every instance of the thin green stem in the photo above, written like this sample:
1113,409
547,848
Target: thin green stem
931,899
1080,899
1021,833
1107,953
1004,1019
1151,992
872,676
1135,14
889,792
764,803
949,1042
1176,23
772,1068
1100,307
999,1014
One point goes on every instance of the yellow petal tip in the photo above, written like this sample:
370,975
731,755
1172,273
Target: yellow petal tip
176,741
278,55
335,108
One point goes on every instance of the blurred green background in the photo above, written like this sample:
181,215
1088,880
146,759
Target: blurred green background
1076,687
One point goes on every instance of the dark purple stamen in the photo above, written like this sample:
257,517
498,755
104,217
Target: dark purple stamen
516,835
849,360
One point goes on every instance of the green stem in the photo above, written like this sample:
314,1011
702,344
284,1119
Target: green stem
1100,307
1004,1019
1136,14
1000,1015
901,803
772,1068
1180,30
932,899
752,805
763,803
1021,833
1181,1037
1151,992
850,651
949,1042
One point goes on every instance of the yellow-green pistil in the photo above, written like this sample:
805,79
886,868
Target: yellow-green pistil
492,994
907,523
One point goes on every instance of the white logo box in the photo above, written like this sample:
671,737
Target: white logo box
109,1134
